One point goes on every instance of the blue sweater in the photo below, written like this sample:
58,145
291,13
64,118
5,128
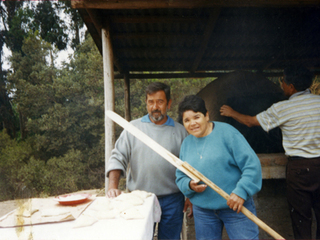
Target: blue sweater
227,160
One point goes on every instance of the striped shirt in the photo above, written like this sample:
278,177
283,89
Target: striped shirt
299,121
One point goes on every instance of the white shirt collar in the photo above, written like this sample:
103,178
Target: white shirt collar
307,91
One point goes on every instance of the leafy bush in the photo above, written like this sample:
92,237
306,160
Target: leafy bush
15,175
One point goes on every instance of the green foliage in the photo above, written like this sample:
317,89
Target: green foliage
75,24
52,29
15,177
63,115
8,119
42,17
65,174
18,22
24,176
32,76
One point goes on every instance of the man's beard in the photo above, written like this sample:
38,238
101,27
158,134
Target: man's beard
161,116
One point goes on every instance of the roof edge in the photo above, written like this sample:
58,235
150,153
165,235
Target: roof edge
145,4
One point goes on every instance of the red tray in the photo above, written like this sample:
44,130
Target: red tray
72,199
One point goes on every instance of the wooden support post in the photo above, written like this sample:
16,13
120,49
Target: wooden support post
127,97
108,75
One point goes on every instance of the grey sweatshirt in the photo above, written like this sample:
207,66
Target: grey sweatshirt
148,170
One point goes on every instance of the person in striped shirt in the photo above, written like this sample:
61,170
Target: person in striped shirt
299,121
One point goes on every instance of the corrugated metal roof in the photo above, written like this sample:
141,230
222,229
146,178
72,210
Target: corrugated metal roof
201,39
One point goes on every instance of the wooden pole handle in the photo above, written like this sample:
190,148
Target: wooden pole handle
226,196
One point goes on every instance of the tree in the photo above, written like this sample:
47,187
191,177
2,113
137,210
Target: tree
16,171
63,115
72,130
75,24
51,28
7,117
8,12
19,18
31,77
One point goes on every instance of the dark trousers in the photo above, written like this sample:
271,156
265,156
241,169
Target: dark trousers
171,221
303,194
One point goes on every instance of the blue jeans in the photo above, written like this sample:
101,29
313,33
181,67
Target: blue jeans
209,223
171,221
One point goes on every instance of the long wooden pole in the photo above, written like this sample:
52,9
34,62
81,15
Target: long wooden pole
185,168
108,76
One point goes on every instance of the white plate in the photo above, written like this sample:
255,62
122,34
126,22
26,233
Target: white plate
71,199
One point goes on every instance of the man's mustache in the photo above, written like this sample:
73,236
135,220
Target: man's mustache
156,111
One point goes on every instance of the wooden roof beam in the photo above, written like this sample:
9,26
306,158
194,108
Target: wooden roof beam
156,19
185,35
183,75
96,20
98,23
193,75
231,63
145,4
150,35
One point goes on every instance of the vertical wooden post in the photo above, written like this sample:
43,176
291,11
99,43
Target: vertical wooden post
127,108
108,75
127,97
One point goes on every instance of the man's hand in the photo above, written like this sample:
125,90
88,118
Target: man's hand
226,111
247,120
235,202
196,187
114,177
188,205
112,193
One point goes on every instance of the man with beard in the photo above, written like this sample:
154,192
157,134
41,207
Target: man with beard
148,171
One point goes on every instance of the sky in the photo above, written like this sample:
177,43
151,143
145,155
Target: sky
5,54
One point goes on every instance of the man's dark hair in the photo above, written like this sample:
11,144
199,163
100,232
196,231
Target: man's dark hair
191,102
158,86
299,76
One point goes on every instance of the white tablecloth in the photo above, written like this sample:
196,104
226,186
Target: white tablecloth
117,228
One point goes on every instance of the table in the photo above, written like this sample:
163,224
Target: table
117,228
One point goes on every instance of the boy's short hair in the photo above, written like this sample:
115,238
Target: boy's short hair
299,76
